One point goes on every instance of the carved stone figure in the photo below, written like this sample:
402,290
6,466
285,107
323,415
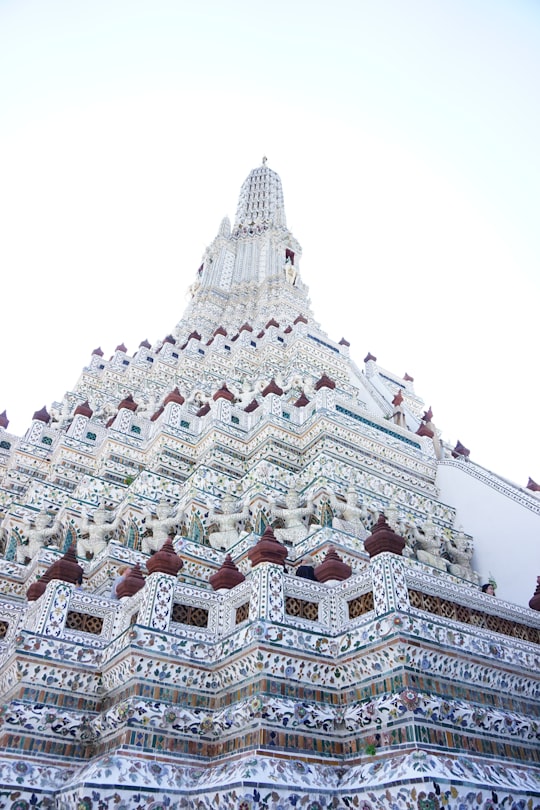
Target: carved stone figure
349,516
408,532
164,523
192,289
149,408
229,519
96,532
391,514
290,272
460,551
294,516
247,393
429,545
38,536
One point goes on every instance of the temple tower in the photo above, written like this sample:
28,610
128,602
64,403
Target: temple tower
280,601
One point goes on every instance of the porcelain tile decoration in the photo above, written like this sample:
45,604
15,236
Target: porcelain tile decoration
280,603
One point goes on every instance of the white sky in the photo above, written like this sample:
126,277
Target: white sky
407,138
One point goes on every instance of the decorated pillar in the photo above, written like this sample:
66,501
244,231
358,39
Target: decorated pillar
126,409
52,594
387,568
267,557
267,600
223,399
53,609
81,416
325,396
40,420
158,596
389,583
157,601
272,398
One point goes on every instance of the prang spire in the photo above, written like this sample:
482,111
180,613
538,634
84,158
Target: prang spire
261,200
251,273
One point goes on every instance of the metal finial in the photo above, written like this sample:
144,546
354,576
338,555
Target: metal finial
264,160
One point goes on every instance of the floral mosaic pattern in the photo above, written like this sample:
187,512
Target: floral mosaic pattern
365,634
52,619
376,714
46,720
157,601
465,669
387,709
416,781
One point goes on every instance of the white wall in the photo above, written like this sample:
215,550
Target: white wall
504,521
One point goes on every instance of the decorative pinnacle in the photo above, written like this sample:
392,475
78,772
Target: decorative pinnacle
264,160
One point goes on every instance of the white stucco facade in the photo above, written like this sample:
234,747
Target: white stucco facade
504,521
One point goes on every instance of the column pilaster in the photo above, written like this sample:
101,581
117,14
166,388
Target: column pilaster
267,593
157,601
389,583
53,609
